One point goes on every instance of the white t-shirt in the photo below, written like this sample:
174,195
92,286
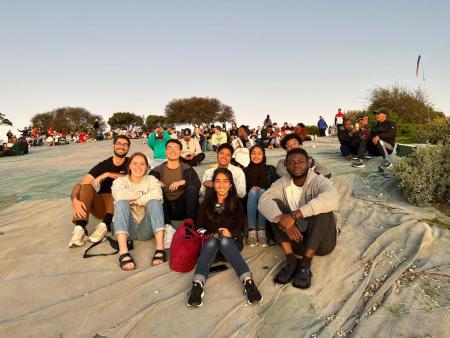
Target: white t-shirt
293,194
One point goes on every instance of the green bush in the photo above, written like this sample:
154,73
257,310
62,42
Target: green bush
424,175
312,130
435,131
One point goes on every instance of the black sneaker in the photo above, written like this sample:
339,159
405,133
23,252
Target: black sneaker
302,278
387,164
286,273
252,292
196,295
359,163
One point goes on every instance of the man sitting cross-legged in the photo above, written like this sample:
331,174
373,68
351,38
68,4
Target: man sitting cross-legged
86,200
180,184
302,205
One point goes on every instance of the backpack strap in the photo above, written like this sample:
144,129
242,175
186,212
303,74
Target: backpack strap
114,244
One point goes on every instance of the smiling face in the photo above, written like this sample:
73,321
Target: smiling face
138,166
222,185
292,144
173,151
224,157
257,155
120,147
297,165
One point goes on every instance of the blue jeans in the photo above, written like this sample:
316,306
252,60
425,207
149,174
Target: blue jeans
229,250
152,223
252,210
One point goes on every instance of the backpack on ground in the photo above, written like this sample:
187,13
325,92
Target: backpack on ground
185,247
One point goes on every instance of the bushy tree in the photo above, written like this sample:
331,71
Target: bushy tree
70,118
4,120
198,111
125,120
152,120
434,132
404,104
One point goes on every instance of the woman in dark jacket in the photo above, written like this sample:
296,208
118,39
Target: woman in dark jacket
222,217
259,176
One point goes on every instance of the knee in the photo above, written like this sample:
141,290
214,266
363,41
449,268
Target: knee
211,243
153,205
122,204
226,242
321,220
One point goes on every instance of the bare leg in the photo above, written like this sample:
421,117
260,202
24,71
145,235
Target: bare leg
123,248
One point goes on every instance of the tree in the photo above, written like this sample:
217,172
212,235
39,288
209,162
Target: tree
152,120
4,120
408,105
198,111
125,120
70,118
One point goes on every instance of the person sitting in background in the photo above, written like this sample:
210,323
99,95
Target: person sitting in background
381,140
198,135
241,146
173,133
259,176
180,184
293,141
301,131
138,211
349,139
221,216
191,152
219,137
157,142
86,200
301,204
233,132
224,154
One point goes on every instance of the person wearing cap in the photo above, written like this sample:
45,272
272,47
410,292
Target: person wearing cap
157,142
381,140
191,152
293,141
322,125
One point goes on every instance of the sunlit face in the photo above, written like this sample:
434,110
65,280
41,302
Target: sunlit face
380,117
292,144
347,125
257,155
173,151
120,147
222,185
138,167
224,157
297,165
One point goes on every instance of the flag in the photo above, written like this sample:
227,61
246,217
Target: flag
417,67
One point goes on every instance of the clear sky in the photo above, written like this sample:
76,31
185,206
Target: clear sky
294,60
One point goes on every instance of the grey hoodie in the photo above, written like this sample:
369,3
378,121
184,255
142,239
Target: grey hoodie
319,196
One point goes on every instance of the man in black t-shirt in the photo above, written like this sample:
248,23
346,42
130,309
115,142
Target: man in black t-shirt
86,200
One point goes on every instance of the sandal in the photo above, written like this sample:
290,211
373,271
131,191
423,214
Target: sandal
125,259
160,255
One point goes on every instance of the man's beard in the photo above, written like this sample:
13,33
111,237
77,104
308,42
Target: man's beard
120,155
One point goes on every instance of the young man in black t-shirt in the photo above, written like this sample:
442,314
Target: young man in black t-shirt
86,200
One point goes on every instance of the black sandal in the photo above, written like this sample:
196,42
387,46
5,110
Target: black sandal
159,258
123,261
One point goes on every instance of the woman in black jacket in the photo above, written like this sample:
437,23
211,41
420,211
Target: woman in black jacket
259,176
222,217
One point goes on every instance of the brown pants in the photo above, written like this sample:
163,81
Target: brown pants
96,204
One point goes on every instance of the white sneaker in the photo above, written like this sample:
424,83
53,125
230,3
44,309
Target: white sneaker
99,233
169,231
78,237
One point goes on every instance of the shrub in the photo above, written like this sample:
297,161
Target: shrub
435,131
312,130
424,174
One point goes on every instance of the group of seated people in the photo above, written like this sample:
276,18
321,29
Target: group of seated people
359,143
293,202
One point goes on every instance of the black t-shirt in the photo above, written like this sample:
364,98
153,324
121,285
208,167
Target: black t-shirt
108,166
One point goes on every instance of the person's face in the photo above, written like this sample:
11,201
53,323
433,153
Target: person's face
242,133
347,125
224,157
222,185
120,147
297,165
197,130
187,138
257,155
173,151
138,167
291,144
380,117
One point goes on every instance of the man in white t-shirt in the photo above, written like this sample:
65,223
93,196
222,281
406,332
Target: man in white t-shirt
301,204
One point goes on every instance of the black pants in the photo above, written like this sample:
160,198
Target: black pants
183,207
322,131
379,149
195,161
320,234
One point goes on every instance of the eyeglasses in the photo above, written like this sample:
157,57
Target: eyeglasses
173,148
123,145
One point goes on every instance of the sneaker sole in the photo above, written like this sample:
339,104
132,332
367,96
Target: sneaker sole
358,166
253,245
76,245
262,298
90,239
195,305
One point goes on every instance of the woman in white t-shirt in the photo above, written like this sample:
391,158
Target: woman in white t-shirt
138,211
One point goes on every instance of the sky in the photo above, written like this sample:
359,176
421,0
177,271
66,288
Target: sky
294,60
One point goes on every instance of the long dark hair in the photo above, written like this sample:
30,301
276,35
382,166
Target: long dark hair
231,202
